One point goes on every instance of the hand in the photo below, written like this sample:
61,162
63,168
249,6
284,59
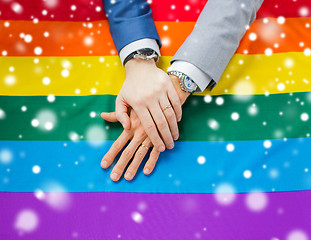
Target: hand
137,136
147,89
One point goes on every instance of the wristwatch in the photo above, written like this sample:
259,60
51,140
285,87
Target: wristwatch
144,53
186,83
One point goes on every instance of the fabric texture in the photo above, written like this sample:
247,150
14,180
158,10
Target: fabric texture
241,168
217,35
130,20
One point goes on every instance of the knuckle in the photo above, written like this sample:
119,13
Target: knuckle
107,157
163,81
117,169
162,123
149,127
177,103
170,114
158,143
149,97
140,134
158,90
127,153
116,145
139,154
135,123
131,170
138,102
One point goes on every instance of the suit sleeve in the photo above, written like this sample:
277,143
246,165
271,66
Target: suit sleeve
217,34
129,21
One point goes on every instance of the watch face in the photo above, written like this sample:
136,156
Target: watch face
189,83
146,51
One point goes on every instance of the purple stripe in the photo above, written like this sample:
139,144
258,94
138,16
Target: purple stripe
165,216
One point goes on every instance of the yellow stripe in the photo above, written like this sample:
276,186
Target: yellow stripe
245,74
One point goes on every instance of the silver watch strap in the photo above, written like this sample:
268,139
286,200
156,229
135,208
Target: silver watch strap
181,76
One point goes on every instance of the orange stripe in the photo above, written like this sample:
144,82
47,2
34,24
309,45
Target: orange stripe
287,36
65,38
81,39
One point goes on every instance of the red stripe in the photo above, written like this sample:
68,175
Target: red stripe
285,8
57,10
163,10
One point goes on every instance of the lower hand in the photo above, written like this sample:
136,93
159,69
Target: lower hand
139,141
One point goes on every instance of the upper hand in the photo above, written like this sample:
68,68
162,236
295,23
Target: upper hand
148,89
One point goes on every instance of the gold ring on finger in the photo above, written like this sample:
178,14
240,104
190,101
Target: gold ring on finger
167,107
144,146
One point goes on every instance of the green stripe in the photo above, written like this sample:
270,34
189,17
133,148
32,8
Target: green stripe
194,126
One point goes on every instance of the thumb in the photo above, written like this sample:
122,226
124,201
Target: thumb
121,113
109,116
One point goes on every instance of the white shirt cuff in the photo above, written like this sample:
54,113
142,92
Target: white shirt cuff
139,44
196,74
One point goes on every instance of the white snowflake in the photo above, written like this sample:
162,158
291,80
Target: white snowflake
137,217
256,201
252,36
36,169
201,160
247,174
26,221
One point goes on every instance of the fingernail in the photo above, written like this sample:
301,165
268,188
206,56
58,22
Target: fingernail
114,176
104,164
128,175
161,149
175,137
171,146
146,171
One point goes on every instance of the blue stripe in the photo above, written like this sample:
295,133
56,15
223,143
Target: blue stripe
76,167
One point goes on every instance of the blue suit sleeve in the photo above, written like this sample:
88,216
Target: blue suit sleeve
129,21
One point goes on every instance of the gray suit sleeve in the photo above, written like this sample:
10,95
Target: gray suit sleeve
217,34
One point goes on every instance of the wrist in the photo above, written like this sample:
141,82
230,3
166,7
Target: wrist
134,62
181,94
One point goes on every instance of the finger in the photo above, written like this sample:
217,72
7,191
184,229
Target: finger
109,116
174,99
150,128
126,156
150,164
170,118
121,113
139,156
162,125
115,149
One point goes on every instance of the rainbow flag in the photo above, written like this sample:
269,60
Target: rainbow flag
246,174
